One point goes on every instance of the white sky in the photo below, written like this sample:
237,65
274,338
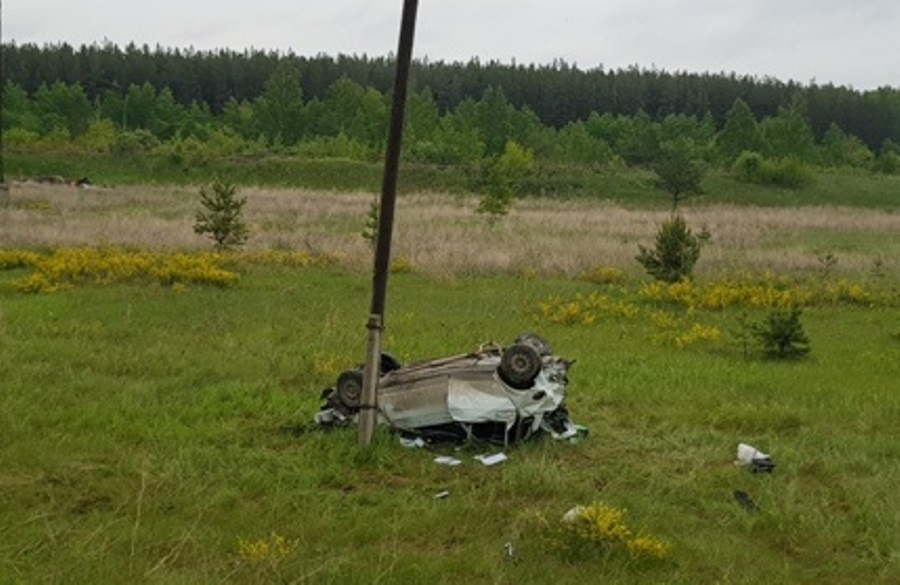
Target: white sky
845,42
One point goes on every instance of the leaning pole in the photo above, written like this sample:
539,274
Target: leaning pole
369,400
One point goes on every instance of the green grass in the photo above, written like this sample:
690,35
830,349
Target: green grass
629,186
268,170
146,432
829,187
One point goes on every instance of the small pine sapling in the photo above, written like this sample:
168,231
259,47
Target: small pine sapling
370,229
781,335
675,253
222,216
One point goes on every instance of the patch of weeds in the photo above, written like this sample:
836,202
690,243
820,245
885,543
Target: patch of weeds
603,275
601,528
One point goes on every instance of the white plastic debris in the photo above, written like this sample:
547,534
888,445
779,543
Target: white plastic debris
325,417
441,495
573,515
747,453
492,459
758,461
412,443
509,551
447,460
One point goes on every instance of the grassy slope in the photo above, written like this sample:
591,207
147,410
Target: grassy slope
140,441
633,187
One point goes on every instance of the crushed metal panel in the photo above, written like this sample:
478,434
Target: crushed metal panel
411,405
470,404
416,371
548,392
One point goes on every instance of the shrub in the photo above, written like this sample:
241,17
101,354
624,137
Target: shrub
134,143
401,265
370,229
748,168
20,139
100,136
602,527
787,172
340,146
503,176
887,163
603,275
781,335
186,152
678,171
104,266
676,251
751,167
222,217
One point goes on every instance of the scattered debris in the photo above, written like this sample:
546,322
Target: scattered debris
573,514
488,460
497,394
509,551
744,499
758,461
81,183
447,460
412,442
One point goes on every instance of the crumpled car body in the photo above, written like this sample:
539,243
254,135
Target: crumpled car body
498,394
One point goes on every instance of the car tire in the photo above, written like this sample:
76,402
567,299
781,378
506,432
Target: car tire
520,365
389,363
349,388
535,341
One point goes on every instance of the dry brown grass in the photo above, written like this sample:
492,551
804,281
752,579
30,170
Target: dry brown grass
441,234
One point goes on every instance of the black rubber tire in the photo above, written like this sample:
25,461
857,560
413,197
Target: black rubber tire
349,388
535,341
389,363
520,365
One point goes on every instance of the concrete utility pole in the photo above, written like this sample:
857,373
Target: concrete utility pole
368,415
4,189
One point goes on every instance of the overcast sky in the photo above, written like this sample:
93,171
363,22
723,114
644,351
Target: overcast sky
845,42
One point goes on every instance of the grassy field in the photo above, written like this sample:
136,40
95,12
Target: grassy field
631,187
441,235
161,433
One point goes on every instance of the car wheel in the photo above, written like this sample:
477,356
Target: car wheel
535,341
519,365
349,388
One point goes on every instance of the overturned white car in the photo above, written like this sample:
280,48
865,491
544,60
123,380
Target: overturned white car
499,394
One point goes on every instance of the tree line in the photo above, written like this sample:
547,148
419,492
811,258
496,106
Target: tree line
349,120
557,94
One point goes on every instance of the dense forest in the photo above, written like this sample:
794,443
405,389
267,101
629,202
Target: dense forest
556,93
138,99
